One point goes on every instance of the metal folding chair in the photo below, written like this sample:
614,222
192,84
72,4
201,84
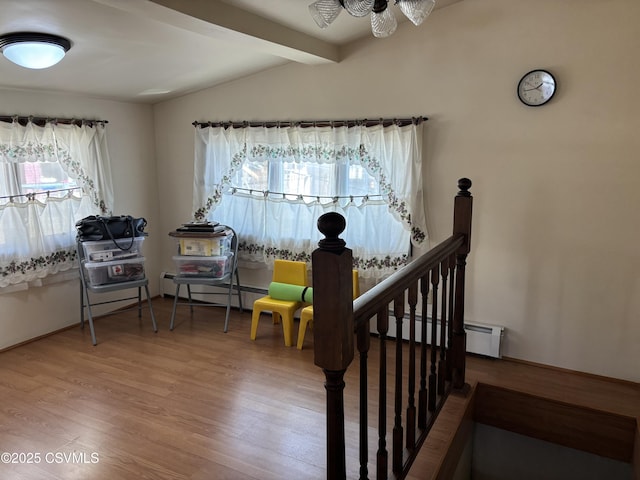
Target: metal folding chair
226,280
88,287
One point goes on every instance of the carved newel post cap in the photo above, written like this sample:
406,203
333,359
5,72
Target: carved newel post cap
464,184
331,225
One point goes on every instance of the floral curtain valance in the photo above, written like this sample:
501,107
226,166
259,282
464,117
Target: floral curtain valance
392,154
80,150
274,225
37,231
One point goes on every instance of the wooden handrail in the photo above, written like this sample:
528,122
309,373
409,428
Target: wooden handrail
367,304
438,361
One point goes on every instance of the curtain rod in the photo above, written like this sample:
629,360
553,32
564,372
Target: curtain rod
385,122
335,198
41,121
32,196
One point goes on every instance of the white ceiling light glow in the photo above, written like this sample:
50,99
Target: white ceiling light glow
34,50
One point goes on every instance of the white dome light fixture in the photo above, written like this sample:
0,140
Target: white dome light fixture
34,50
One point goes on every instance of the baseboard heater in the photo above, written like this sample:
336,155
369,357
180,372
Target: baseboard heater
482,339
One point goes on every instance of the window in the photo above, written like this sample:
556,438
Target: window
49,178
307,179
272,184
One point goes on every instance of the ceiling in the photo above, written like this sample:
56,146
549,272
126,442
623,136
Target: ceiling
151,50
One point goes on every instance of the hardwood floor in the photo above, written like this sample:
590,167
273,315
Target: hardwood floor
196,403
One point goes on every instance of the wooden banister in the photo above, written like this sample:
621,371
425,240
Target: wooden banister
339,320
333,330
462,211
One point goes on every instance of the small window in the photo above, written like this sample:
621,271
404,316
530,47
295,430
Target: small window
44,176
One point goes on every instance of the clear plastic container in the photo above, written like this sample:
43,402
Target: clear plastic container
121,270
214,267
204,247
107,251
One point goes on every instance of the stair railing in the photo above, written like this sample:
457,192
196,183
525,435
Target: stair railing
435,281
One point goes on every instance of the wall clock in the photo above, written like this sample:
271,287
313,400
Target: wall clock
536,88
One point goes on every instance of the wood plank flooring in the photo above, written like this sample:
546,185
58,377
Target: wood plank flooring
196,403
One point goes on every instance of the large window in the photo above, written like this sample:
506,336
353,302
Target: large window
51,175
272,184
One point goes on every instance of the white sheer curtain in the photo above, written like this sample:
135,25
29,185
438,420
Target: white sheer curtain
283,223
38,213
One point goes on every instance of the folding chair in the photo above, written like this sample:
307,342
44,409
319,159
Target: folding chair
111,276
224,280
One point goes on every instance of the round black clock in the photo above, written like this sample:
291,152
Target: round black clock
536,88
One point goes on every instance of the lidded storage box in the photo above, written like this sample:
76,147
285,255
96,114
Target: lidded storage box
203,266
204,247
107,251
114,271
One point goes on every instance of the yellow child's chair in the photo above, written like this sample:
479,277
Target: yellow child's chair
306,316
284,271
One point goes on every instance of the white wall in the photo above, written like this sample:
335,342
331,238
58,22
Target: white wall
554,258
37,311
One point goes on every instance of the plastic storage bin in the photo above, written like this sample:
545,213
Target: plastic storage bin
213,267
106,251
204,247
121,270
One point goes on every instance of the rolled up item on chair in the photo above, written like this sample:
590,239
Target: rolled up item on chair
286,291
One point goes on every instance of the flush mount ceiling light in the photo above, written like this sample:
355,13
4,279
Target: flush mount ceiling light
383,21
34,50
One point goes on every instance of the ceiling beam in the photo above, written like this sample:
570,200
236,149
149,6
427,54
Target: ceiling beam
218,20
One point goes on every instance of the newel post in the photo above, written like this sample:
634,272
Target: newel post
333,331
462,209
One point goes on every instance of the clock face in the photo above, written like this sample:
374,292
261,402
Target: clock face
536,88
